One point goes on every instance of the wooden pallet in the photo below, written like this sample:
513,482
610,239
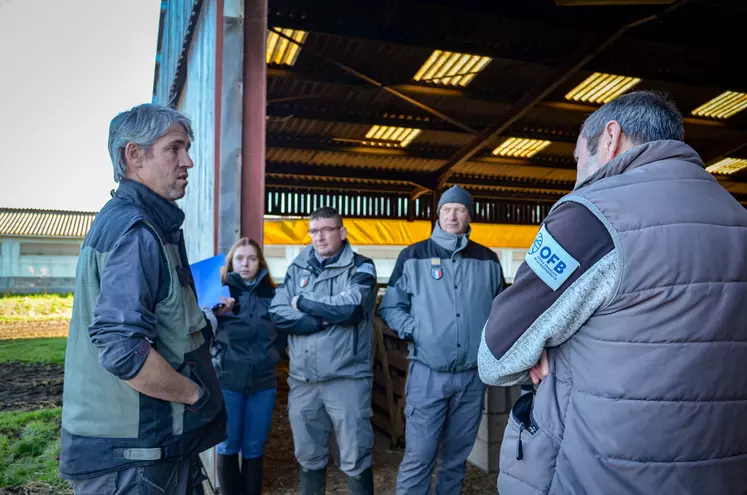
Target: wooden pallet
390,376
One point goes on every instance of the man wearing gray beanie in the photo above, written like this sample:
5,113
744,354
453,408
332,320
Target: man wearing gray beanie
438,299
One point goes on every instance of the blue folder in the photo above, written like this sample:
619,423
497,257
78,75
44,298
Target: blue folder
206,274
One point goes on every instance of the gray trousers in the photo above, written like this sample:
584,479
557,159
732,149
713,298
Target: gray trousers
443,412
162,478
342,405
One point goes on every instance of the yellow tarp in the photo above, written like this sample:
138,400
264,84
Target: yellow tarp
399,233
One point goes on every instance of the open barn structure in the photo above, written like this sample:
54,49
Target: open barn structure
375,107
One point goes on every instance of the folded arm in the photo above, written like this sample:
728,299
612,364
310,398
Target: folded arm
568,274
285,317
348,307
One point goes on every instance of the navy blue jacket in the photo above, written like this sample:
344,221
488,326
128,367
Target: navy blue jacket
246,348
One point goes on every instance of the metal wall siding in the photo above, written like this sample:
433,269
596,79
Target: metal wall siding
198,102
175,25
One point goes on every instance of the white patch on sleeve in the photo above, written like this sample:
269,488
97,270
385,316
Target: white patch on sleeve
367,268
549,260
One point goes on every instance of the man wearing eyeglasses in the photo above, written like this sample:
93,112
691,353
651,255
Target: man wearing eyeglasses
326,306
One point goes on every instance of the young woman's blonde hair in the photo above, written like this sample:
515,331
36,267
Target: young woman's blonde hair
245,241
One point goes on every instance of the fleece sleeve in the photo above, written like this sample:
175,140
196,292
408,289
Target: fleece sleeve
568,273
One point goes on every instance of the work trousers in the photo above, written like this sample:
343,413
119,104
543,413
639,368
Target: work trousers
342,405
442,413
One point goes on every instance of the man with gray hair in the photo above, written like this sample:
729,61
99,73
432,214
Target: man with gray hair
628,316
141,399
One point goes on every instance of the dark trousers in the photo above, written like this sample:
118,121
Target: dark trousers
177,477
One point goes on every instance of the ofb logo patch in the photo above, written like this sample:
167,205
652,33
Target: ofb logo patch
537,244
553,264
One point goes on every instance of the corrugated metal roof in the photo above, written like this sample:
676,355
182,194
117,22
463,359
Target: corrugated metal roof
332,158
45,223
318,112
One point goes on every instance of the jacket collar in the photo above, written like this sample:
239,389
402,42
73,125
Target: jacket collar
234,280
167,215
641,155
451,242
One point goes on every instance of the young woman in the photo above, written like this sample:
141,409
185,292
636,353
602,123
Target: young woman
246,350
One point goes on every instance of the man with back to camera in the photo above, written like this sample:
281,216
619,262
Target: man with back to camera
141,399
629,314
438,299
326,306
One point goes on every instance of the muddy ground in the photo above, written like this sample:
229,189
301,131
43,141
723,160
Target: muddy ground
27,386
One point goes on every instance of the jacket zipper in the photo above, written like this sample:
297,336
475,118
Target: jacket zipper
519,447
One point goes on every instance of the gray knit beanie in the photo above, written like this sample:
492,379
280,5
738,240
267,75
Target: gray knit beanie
456,195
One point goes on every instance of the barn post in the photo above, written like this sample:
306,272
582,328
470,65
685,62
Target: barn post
254,110
229,114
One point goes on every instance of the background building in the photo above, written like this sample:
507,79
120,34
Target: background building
39,249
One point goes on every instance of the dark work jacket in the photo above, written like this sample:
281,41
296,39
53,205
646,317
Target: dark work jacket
246,348
134,292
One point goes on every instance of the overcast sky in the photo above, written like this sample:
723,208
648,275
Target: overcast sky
66,68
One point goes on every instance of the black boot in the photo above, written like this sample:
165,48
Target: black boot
229,476
251,476
361,484
313,482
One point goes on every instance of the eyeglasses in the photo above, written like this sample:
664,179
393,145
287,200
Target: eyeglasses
325,230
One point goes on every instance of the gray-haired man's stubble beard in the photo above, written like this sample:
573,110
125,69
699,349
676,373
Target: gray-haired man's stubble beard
591,169
175,194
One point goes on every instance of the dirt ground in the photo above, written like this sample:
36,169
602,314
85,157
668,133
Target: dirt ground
27,386
281,471
33,330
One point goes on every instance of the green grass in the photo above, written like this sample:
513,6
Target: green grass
36,307
30,447
50,350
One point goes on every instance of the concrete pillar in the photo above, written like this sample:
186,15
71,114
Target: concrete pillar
255,100
486,451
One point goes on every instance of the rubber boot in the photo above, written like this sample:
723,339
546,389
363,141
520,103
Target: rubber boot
313,482
361,484
229,476
251,476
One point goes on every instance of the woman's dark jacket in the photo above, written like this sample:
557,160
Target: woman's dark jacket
246,348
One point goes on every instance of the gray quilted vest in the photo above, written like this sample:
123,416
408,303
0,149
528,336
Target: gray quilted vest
650,396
